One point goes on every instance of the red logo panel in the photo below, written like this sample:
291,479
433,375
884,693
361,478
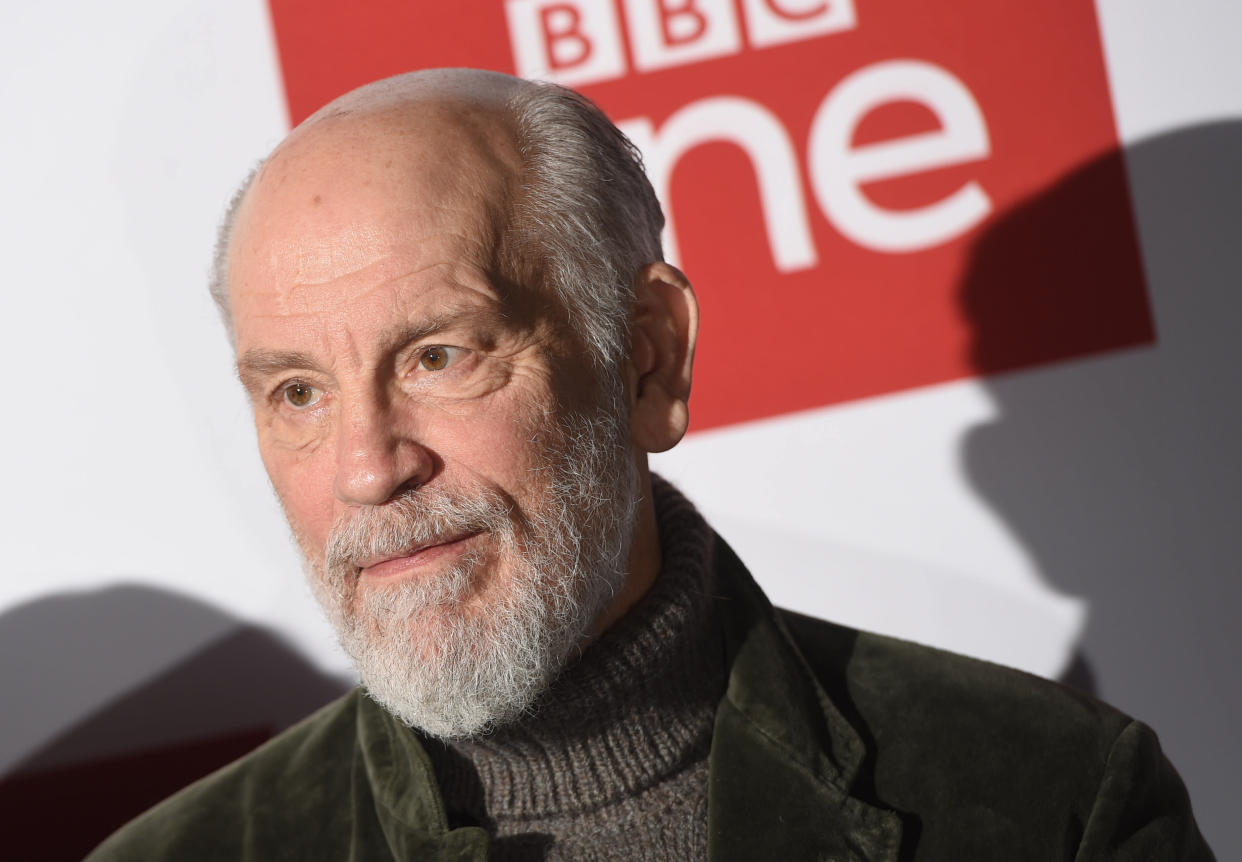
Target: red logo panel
862,191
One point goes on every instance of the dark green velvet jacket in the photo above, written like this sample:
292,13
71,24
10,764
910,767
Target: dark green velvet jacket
829,744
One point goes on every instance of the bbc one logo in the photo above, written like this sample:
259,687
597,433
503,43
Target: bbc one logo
582,42
837,174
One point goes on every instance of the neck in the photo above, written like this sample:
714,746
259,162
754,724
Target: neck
644,559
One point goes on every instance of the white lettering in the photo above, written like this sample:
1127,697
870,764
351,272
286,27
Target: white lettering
571,42
674,32
774,22
759,134
837,170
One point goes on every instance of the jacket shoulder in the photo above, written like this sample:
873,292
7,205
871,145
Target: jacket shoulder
891,679
283,798
972,751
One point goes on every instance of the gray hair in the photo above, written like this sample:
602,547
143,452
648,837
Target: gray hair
586,217
218,277
589,210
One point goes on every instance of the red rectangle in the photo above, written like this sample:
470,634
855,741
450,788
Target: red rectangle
868,196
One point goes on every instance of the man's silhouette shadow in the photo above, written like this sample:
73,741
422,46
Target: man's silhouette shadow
1122,475
220,701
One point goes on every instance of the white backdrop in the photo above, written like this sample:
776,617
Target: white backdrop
944,514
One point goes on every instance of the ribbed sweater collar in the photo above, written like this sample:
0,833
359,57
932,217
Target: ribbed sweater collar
635,708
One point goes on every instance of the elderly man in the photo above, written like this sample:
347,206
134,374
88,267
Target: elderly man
449,308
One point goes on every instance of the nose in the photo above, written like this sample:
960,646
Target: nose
376,457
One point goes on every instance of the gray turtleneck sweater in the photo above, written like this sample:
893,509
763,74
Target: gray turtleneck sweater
612,764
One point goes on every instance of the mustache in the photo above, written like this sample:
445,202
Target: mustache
416,517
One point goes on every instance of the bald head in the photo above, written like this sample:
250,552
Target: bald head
468,88
563,194
441,121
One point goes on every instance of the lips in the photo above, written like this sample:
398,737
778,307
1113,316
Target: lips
387,565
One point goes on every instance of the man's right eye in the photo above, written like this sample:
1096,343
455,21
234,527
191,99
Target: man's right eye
299,396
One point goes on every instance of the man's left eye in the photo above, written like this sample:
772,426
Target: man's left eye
438,357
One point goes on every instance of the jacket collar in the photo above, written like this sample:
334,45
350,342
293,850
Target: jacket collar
783,757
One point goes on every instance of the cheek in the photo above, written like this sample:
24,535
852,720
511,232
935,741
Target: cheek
501,445
304,486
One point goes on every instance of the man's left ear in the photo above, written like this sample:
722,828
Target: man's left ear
663,331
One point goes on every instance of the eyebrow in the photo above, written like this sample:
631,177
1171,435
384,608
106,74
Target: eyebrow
404,334
258,363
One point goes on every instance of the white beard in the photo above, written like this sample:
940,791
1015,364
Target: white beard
458,654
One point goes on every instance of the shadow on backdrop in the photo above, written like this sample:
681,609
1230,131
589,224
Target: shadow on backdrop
1121,475
220,701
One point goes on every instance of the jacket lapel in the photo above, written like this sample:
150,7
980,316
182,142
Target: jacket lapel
406,797
783,757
